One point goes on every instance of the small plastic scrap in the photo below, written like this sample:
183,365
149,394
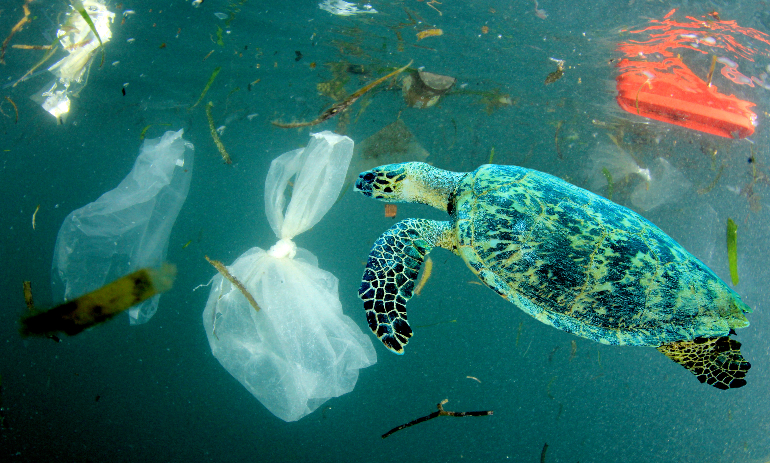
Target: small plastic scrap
423,89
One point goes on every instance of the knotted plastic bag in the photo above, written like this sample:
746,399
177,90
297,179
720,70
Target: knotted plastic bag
299,349
126,228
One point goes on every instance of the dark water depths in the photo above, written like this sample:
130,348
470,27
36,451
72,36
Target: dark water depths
154,392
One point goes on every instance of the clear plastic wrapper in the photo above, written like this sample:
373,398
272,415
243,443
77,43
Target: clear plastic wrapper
79,41
299,349
127,228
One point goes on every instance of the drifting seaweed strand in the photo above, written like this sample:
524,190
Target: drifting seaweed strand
48,55
15,108
34,215
732,249
341,106
215,135
15,29
208,85
225,273
440,412
78,5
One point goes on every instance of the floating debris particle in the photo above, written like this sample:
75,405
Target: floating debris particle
474,378
557,74
714,60
391,210
28,295
429,33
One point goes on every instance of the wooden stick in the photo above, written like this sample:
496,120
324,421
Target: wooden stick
223,270
341,106
440,412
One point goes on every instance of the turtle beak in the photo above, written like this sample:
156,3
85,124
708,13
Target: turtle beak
364,183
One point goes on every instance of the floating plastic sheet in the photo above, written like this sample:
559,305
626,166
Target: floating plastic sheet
298,350
617,163
666,184
78,40
126,228
423,89
668,73
343,8
392,144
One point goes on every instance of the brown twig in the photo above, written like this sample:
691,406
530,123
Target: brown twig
440,412
32,47
223,270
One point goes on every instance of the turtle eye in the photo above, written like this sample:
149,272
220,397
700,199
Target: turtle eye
368,176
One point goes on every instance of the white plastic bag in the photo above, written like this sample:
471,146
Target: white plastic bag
299,349
126,228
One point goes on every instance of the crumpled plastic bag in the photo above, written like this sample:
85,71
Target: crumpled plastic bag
77,38
126,228
299,349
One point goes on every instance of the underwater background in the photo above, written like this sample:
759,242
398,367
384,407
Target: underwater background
154,392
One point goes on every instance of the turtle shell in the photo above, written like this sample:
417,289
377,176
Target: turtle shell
586,265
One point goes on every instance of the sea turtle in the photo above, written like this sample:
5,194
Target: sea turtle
566,256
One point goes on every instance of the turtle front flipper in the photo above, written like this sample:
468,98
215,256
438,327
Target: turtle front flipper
390,274
716,361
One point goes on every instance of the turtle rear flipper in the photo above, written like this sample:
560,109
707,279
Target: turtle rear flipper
390,274
716,361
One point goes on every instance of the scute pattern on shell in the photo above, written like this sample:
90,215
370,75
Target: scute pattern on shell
584,264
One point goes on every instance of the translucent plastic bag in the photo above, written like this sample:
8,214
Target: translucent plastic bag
299,349
126,228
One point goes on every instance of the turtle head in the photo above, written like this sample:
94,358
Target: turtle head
412,182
